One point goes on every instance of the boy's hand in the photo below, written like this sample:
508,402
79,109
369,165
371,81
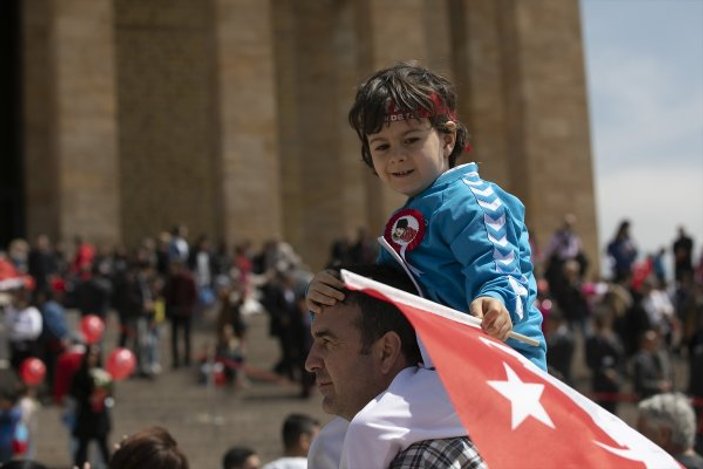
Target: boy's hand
496,319
324,290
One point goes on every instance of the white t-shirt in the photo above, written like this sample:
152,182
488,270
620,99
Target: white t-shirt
287,463
414,408
326,449
23,324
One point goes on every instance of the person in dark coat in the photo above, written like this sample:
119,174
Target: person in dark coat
560,346
93,294
605,358
42,263
180,296
652,369
90,389
683,255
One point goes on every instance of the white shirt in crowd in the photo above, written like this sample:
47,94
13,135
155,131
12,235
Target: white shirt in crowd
23,324
287,463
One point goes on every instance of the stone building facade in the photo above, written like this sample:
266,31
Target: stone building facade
230,115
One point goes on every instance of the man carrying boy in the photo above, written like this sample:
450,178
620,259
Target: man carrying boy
365,359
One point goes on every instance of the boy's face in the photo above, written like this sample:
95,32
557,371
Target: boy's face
409,155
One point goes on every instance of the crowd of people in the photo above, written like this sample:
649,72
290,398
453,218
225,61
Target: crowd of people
634,327
154,447
631,326
170,281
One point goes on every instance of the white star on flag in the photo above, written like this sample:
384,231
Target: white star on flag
523,397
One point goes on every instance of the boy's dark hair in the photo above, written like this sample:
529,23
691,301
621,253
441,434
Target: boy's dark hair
236,456
153,447
407,88
296,425
378,316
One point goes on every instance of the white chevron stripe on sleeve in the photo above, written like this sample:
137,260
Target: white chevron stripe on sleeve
494,223
502,242
492,206
483,192
474,183
520,293
504,259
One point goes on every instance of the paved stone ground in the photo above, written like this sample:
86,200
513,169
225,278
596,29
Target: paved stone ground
205,421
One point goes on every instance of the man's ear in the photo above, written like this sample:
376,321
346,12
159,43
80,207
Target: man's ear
389,350
304,441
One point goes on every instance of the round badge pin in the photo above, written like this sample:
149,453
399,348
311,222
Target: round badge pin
405,230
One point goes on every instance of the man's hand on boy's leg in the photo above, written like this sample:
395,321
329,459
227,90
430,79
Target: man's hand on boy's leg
324,290
496,319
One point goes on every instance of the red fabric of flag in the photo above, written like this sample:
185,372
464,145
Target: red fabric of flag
517,415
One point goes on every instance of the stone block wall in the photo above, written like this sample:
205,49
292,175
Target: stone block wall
70,114
231,115
168,137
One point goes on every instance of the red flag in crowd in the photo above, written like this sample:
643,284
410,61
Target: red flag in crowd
516,414
11,278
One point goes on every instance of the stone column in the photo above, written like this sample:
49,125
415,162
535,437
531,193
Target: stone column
323,194
247,99
71,132
521,83
548,117
40,163
168,115
479,79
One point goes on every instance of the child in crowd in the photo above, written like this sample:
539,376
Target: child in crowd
462,239
13,431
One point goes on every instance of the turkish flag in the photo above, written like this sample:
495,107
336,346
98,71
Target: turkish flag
517,415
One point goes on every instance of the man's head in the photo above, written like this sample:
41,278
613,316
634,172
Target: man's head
569,221
360,345
298,432
152,447
241,457
669,421
650,340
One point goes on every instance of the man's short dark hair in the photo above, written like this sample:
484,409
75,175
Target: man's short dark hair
296,425
152,447
236,456
378,316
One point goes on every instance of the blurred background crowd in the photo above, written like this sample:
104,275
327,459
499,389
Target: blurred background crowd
624,336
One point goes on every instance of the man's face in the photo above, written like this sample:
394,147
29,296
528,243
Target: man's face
347,378
252,462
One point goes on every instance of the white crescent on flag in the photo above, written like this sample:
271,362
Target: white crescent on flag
517,415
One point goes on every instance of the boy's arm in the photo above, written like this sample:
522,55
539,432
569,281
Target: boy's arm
491,243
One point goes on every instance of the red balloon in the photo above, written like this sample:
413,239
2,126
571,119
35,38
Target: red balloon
32,371
121,363
92,328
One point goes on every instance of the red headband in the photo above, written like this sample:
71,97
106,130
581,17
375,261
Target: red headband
438,109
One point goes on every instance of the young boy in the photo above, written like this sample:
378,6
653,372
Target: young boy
461,238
